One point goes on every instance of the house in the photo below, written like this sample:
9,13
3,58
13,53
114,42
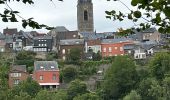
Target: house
17,45
17,74
114,47
43,44
46,73
94,45
11,31
139,52
9,43
66,45
150,34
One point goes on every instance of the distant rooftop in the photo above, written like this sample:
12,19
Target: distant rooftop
72,42
118,40
21,68
60,29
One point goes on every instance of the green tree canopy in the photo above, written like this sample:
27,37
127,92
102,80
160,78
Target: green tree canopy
76,88
133,95
119,79
160,65
87,96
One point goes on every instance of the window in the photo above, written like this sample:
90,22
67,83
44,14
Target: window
74,35
85,15
110,49
54,76
63,51
41,77
52,67
41,67
121,48
115,48
15,74
16,81
104,49
64,58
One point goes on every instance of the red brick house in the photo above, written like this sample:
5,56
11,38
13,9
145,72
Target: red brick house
17,74
114,47
46,73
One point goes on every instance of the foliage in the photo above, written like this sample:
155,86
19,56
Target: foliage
22,96
87,96
29,86
160,65
51,56
61,95
25,55
69,73
119,79
76,88
133,95
74,56
97,56
151,11
44,95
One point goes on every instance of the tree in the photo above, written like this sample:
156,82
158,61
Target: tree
133,95
69,73
74,56
160,65
76,88
22,96
44,95
119,79
61,95
97,56
151,11
29,86
87,96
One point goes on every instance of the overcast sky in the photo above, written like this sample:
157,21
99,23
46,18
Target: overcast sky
65,14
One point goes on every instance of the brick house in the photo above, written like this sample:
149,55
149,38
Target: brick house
17,74
67,45
114,47
46,73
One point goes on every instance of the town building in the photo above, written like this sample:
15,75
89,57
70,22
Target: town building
68,44
114,47
43,43
46,73
17,74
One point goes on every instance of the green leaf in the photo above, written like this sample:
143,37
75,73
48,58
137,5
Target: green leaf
24,24
134,2
130,16
4,19
108,17
108,12
161,30
6,11
137,14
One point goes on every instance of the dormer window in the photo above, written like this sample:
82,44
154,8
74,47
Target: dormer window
41,67
52,67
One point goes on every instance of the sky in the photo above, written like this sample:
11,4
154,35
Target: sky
64,13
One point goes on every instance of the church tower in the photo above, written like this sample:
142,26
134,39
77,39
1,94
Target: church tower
85,16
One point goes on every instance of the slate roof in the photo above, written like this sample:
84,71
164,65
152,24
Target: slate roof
128,46
2,36
72,42
118,40
43,37
45,65
93,35
60,29
21,68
